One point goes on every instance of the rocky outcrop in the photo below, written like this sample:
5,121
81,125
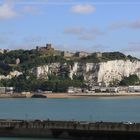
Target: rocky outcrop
93,73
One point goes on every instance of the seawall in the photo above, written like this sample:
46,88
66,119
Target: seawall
70,129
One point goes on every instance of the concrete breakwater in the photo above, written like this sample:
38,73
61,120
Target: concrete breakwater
70,129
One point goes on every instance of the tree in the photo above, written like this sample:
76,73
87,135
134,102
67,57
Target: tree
131,80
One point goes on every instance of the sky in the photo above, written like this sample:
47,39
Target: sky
71,25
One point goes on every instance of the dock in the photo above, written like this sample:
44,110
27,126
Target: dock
70,129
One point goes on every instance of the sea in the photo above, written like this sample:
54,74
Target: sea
110,109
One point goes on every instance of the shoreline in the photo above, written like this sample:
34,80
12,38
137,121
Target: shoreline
85,95
71,95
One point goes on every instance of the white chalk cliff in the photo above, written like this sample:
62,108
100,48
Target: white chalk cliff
94,73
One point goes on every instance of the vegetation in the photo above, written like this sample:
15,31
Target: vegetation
60,84
38,61
28,60
107,56
5,69
113,83
31,83
131,80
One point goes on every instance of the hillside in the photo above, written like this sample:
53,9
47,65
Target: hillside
48,69
45,55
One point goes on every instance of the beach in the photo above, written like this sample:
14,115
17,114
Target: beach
71,95
85,95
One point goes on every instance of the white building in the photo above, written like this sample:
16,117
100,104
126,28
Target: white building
113,89
6,90
74,90
134,88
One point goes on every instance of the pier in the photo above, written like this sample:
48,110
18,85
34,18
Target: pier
70,129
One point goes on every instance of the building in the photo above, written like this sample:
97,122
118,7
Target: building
9,90
70,90
113,89
105,89
67,54
2,90
17,61
46,48
1,51
98,54
74,90
6,90
134,89
82,54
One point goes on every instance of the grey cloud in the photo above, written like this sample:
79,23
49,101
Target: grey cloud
7,11
135,24
84,33
125,24
87,37
97,31
74,30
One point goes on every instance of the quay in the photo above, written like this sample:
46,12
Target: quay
70,129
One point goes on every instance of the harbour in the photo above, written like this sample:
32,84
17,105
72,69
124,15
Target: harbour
106,109
93,109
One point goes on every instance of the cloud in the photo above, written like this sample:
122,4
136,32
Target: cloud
7,11
83,9
135,24
87,37
125,24
83,33
74,30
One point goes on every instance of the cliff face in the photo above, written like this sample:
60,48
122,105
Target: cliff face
94,73
115,70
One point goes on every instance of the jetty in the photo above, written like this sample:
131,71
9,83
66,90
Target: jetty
70,129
